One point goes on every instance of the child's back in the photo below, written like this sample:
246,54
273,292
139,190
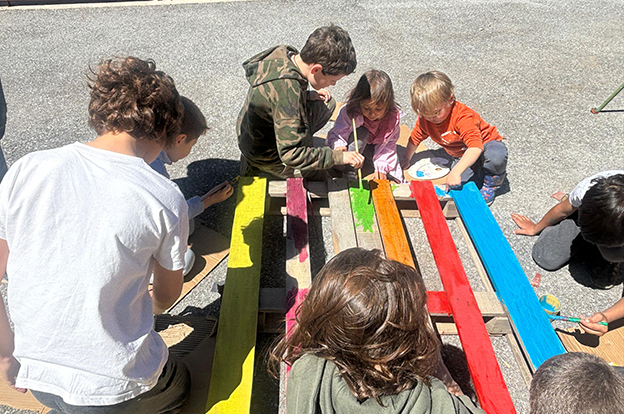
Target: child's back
81,227
362,343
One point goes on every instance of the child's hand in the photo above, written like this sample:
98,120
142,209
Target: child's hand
379,176
217,194
320,95
341,148
453,181
354,159
527,226
8,369
591,326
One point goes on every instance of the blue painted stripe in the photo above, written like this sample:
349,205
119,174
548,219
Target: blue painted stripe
511,284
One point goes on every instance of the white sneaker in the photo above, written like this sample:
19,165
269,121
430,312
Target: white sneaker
189,261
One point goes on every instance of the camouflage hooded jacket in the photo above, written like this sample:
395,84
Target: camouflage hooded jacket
272,126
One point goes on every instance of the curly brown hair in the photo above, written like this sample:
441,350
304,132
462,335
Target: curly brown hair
367,315
130,95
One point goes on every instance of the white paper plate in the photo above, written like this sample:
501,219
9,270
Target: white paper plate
429,168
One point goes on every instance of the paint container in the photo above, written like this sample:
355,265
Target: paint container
550,304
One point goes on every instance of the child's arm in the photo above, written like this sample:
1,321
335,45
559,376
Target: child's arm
416,137
166,289
453,179
591,325
9,366
554,216
218,194
409,153
337,137
385,158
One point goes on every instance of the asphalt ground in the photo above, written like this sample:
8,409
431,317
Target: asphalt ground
532,68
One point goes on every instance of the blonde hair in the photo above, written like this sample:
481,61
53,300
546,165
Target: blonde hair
430,91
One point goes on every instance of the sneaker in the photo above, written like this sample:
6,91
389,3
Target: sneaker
189,261
608,278
491,183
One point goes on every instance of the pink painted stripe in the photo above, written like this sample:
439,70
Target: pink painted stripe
297,220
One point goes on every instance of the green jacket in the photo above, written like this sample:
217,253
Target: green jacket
272,127
315,387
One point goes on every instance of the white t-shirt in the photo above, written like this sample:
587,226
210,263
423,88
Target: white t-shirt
576,196
84,226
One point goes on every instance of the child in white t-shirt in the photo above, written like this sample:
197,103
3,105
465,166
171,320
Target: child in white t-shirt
193,126
81,229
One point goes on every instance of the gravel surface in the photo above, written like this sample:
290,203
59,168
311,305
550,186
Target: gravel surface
532,68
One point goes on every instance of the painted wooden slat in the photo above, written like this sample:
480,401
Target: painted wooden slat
438,303
343,228
298,274
232,372
390,225
536,334
482,364
366,226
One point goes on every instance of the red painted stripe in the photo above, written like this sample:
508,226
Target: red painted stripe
438,303
482,364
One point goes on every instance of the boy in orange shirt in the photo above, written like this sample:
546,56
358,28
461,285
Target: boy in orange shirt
473,143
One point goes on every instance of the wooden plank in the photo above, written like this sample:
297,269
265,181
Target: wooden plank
391,228
537,335
486,375
343,228
364,217
232,372
609,347
317,189
210,249
475,256
438,304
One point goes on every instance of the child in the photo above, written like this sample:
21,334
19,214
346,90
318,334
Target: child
377,119
277,122
193,126
362,342
81,229
577,383
473,143
590,222
614,313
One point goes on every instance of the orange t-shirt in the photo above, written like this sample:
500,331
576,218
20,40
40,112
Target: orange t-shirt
463,129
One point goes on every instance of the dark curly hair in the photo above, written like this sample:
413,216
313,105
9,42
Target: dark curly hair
331,47
130,95
601,214
367,315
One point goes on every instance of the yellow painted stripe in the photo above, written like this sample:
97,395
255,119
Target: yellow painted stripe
232,372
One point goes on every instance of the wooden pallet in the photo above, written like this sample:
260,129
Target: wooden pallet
375,223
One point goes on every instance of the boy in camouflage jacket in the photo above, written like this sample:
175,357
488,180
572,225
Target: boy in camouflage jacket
276,124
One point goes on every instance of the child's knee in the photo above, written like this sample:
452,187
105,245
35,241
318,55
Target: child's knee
495,157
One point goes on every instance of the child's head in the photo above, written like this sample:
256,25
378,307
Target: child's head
367,315
601,214
331,49
432,96
130,95
577,383
193,126
373,96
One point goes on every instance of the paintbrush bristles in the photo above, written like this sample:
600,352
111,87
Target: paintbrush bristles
357,149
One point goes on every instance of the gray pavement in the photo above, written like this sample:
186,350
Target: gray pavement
532,68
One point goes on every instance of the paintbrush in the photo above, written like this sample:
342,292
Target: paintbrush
357,150
570,319
220,187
